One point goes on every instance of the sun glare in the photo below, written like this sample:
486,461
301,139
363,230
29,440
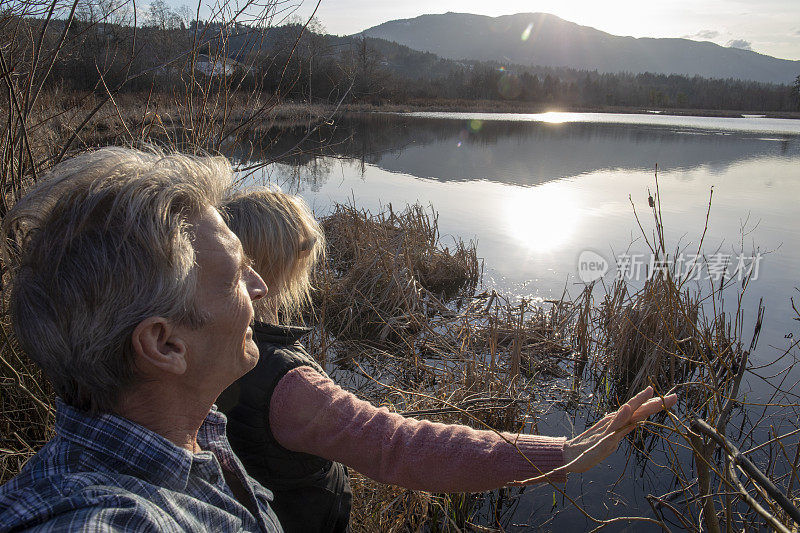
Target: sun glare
543,218
555,117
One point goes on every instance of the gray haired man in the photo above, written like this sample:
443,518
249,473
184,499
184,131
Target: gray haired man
135,299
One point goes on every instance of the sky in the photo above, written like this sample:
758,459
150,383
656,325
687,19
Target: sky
769,27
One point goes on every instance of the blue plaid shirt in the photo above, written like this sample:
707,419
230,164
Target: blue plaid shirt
105,473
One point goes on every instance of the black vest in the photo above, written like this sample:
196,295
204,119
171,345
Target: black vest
311,493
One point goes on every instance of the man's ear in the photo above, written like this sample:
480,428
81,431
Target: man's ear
155,343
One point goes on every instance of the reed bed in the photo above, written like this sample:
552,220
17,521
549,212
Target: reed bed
63,117
679,334
392,301
387,271
386,508
653,336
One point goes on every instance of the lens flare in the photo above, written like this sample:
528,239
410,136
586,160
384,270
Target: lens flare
527,32
509,86
475,125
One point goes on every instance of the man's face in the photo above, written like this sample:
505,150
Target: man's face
223,349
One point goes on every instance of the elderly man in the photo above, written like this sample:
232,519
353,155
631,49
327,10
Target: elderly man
135,300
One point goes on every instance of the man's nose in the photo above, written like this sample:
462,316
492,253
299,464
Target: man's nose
256,287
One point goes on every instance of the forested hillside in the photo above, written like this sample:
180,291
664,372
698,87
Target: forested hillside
545,39
299,63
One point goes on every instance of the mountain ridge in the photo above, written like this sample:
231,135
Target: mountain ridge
555,42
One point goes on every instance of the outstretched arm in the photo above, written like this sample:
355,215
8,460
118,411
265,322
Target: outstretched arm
311,414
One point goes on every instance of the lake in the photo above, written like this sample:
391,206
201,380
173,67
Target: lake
538,191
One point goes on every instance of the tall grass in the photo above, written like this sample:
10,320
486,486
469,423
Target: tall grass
388,270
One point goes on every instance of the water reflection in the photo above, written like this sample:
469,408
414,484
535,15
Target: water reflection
478,175
518,153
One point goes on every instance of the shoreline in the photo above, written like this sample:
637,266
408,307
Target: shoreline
132,118
492,106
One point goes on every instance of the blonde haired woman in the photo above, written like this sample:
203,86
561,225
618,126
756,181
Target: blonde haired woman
294,429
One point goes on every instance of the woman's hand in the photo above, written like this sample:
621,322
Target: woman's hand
601,440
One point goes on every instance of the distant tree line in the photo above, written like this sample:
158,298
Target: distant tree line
303,63
602,89
387,72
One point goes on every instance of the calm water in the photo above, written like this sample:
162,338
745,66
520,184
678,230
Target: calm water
535,191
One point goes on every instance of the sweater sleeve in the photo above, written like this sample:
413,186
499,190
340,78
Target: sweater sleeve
311,414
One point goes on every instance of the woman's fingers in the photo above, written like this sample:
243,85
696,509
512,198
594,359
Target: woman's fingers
621,419
637,409
637,401
605,421
599,441
624,431
626,411
653,406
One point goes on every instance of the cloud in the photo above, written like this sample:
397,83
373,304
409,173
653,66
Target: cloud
740,43
706,34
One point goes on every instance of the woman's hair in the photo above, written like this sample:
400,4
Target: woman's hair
101,243
284,241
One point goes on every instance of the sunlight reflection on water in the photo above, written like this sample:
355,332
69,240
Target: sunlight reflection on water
744,123
543,218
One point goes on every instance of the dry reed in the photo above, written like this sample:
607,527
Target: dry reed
387,270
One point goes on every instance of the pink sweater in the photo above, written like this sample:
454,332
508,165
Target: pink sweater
309,413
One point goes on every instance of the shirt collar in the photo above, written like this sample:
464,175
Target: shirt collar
148,454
